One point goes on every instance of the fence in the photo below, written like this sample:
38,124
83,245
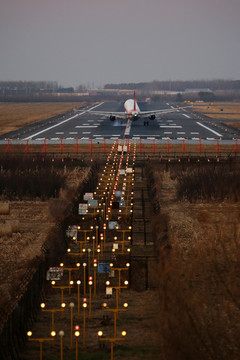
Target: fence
94,148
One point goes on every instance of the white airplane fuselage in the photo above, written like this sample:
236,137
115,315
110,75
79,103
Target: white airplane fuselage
132,109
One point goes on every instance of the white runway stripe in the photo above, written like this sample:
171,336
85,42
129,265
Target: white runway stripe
62,122
205,127
86,126
171,126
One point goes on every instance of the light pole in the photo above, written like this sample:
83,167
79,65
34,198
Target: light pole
93,245
89,259
117,290
84,321
95,277
119,272
52,311
41,340
104,237
61,334
62,289
102,246
71,329
78,286
70,272
115,312
98,252
77,334
111,340
84,279
90,297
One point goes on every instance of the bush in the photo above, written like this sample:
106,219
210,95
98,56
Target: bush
199,299
209,184
31,184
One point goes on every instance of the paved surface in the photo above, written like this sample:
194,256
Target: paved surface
183,124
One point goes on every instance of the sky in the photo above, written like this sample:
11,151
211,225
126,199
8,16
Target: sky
94,42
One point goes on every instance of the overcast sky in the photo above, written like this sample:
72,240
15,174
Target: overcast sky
100,41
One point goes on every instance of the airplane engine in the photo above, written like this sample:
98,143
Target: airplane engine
152,117
112,118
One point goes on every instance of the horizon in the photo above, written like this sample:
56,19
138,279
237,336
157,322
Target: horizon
92,43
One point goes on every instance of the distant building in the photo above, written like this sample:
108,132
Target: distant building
197,90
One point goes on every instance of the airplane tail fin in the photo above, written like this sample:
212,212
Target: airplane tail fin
134,101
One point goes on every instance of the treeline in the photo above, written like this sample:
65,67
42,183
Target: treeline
41,87
26,87
178,85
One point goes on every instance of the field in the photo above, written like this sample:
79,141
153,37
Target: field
223,111
197,241
28,220
16,115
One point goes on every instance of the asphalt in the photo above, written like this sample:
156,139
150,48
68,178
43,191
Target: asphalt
179,125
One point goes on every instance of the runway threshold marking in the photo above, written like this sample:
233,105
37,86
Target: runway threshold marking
213,131
62,122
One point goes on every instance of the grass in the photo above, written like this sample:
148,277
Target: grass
224,111
16,115
209,183
235,125
199,310
83,355
140,352
131,319
140,249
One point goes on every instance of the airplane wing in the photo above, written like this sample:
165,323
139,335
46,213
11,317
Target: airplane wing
118,114
145,114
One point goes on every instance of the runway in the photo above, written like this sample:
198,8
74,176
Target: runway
179,125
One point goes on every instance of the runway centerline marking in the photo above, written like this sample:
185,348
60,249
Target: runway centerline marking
128,128
213,131
62,122
171,126
86,126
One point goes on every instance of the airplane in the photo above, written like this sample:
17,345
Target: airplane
133,112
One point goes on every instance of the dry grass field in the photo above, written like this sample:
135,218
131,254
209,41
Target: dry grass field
17,115
23,231
198,248
223,111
